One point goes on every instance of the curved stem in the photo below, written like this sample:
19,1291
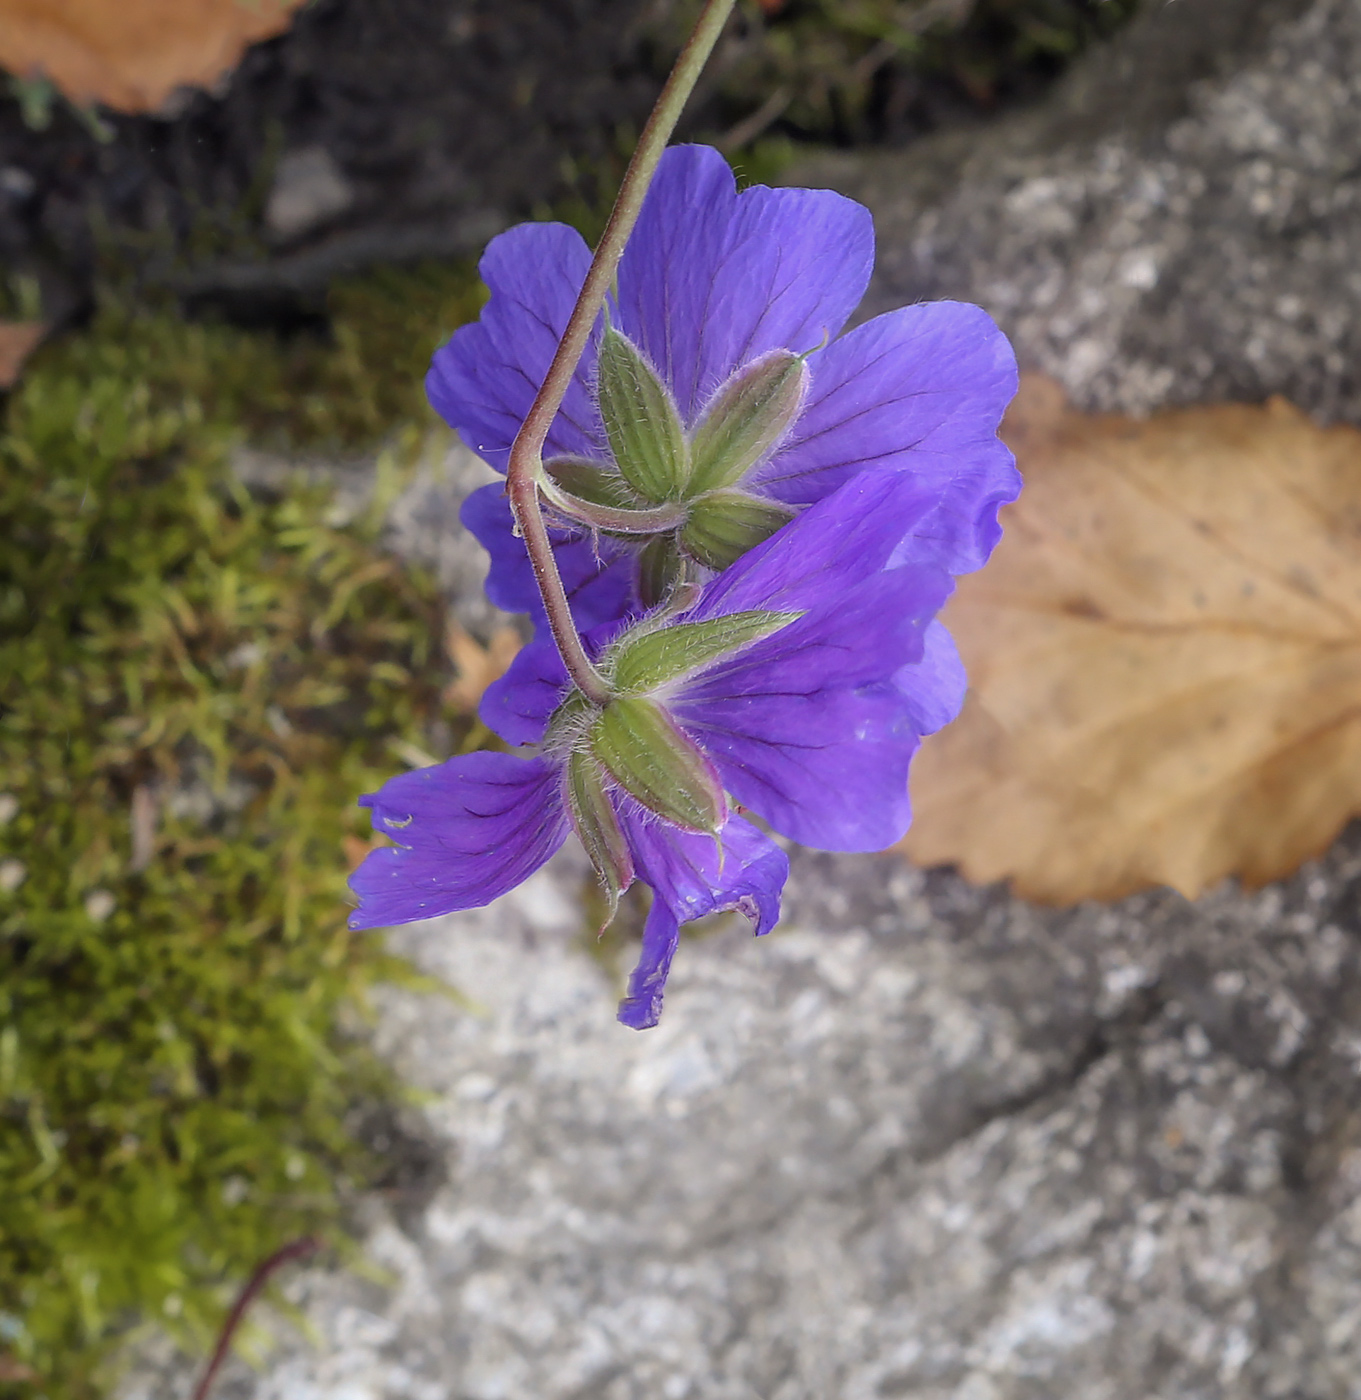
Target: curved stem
646,520
299,1249
524,471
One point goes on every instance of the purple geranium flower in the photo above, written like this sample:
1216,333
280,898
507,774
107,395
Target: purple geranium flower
809,719
714,286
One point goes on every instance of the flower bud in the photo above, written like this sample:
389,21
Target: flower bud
645,752
723,525
747,418
641,422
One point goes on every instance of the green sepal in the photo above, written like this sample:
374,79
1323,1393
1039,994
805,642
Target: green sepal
645,519
597,827
749,415
645,662
647,755
589,481
725,524
568,723
660,568
641,422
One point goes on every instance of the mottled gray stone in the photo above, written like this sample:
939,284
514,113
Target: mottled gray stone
422,518
309,190
925,1140
423,526
1149,242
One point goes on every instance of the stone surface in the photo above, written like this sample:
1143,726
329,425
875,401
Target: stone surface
422,521
1149,241
441,121
924,1140
309,190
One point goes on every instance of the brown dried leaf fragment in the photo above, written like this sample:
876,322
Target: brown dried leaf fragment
1164,657
18,340
477,666
132,55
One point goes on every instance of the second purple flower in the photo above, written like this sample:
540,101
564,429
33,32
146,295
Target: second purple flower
798,683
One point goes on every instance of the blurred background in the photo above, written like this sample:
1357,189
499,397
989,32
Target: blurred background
939,1142
372,134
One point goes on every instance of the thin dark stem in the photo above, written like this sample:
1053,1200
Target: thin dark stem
525,469
299,1249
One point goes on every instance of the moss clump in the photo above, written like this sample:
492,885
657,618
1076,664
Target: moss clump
195,683
343,389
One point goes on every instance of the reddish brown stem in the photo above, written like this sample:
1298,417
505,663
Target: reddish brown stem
299,1249
525,468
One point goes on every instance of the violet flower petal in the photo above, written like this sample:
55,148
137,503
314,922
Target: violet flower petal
712,278
519,704
813,727
834,545
934,686
922,389
600,575
483,380
469,830
690,881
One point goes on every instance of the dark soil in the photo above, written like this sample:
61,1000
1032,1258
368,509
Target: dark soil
444,120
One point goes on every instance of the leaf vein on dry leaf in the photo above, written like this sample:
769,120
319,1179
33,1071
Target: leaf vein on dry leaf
1138,627
1262,563
1164,657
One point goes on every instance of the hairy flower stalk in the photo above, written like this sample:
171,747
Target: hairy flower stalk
524,471
733,526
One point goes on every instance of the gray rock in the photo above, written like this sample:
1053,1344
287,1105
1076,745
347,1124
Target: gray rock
423,526
925,1140
1147,242
422,518
309,190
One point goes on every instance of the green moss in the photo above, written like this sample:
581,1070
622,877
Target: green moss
222,674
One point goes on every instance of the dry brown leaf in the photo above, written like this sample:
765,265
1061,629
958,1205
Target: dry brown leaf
1164,657
12,1370
477,666
132,54
18,340
356,848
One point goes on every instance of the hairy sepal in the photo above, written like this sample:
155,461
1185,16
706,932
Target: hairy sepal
597,827
591,481
747,418
660,568
641,422
646,661
724,525
647,754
